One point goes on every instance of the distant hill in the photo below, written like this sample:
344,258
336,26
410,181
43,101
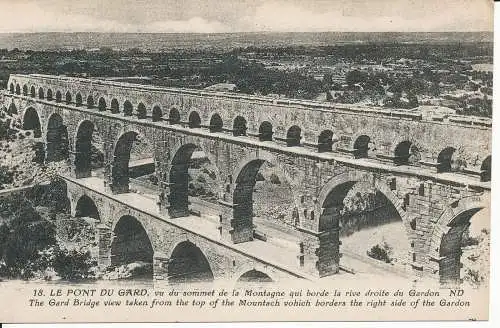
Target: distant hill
222,41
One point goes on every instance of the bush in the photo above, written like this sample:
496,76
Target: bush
381,253
73,265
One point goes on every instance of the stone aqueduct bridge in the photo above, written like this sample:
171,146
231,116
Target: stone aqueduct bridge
321,150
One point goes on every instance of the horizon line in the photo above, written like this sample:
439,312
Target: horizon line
240,32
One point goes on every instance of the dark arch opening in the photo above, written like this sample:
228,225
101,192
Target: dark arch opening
68,98
361,146
266,131
102,104
88,156
406,153
450,249
12,88
216,123
31,121
194,120
157,114
57,139
141,111
18,89
325,141
58,96
131,244
254,276
25,90
49,94
188,264
486,169
402,153
179,179
115,107
78,100
445,158
12,109
127,108
363,215
90,101
293,136
120,168
33,92
174,117
85,207
239,126
41,94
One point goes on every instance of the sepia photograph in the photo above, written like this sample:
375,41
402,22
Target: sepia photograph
267,160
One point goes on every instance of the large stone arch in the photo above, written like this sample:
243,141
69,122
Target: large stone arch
353,177
178,174
329,205
446,236
83,148
121,157
57,140
131,243
243,182
187,263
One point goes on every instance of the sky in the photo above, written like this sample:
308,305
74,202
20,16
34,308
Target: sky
221,16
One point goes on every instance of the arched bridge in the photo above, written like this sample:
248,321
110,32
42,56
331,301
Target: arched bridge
432,170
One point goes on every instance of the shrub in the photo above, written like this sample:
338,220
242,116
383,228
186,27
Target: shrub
73,265
381,253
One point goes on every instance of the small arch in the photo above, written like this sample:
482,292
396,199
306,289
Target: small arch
266,131
141,111
254,276
12,88
325,141
215,123
361,146
58,96
115,107
293,136
33,92
68,98
18,89
486,169
41,95
31,121
127,108
90,102
78,100
25,90
402,153
174,117
85,207
12,109
445,159
157,114
188,264
194,120
239,126
49,94
101,104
